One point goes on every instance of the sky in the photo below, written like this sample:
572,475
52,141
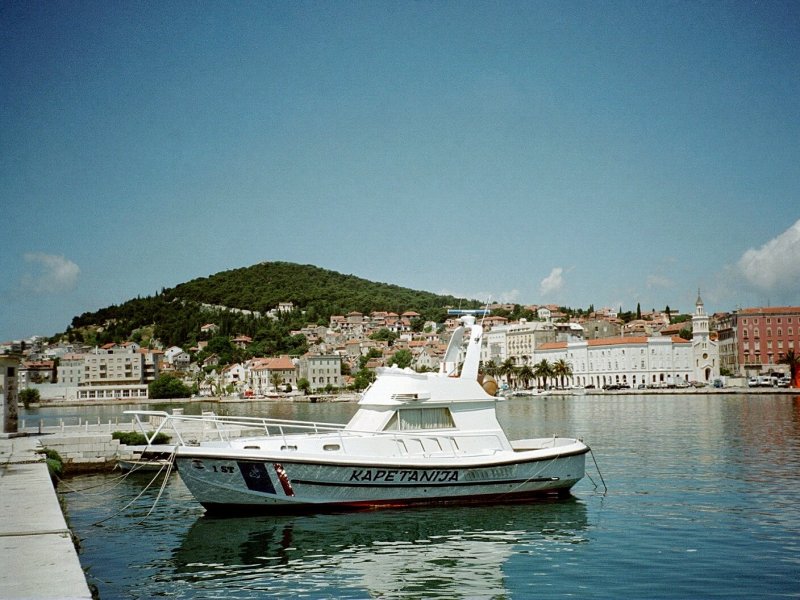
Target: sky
599,153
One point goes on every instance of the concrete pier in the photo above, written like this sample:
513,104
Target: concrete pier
38,560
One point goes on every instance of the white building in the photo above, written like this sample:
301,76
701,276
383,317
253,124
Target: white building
114,365
638,360
627,361
70,370
177,357
516,340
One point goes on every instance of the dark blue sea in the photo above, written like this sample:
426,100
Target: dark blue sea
703,501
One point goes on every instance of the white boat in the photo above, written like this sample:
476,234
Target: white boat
416,438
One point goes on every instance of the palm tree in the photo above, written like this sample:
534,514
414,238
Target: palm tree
525,374
792,359
562,369
543,371
507,369
491,368
275,379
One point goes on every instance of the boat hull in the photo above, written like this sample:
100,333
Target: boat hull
235,484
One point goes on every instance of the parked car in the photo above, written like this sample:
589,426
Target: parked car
783,382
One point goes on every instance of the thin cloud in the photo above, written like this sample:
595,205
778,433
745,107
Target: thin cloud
553,283
52,274
776,265
659,281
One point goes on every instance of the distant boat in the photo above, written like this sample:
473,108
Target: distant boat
417,438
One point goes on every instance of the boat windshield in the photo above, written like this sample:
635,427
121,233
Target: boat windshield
415,419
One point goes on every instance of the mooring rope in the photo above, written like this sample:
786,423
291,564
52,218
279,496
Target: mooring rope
596,466
168,466
170,463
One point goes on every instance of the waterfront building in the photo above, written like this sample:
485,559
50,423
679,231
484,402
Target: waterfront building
113,364
70,370
116,371
233,377
627,361
753,340
631,361
523,339
321,370
36,371
264,371
516,341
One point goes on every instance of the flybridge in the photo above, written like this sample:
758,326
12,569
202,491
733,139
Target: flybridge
478,312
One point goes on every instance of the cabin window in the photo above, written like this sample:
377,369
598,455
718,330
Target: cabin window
414,419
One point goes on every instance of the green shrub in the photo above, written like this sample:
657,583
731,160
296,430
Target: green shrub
134,438
55,464
29,396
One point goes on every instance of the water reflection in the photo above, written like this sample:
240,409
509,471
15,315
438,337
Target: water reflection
427,552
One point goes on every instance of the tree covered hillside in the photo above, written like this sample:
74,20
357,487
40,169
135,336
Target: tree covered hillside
313,289
175,315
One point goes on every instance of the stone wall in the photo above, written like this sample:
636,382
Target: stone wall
84,453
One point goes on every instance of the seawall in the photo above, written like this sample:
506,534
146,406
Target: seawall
39,559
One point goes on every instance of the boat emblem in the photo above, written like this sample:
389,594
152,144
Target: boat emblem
256,477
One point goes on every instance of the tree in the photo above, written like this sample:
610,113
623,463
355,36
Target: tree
543,371
384,335
363,378
525,374
303,385
792,359
562,369
638,311
168,386
276,380
29,396
402,358
508,369
490,368
371,353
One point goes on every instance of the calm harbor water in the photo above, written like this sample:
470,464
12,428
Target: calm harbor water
702,503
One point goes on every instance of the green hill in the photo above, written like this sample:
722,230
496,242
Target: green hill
175,315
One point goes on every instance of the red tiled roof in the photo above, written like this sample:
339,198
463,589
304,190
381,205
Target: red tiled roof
770,310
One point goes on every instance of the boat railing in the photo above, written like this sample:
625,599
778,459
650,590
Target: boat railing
192,429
